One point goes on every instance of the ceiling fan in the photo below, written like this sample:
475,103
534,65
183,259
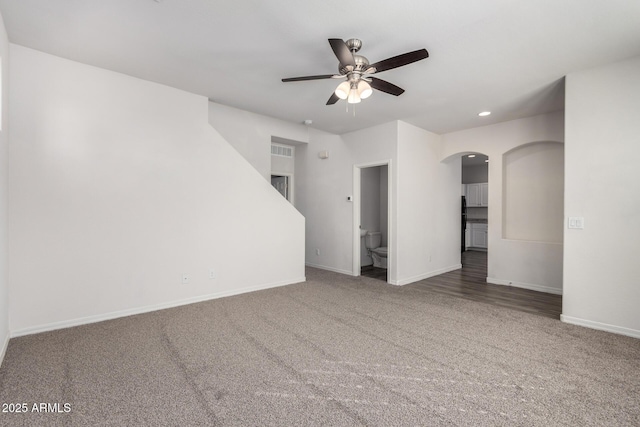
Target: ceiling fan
360,82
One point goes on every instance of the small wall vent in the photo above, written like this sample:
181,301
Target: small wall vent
281,150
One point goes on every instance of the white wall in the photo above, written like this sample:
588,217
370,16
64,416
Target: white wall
321,185
375,146
428,211
424,200
324,186
601,285
4,164
527,264
117,187
251,134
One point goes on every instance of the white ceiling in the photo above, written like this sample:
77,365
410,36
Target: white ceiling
506,56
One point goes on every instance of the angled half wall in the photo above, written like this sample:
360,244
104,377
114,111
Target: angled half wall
123,199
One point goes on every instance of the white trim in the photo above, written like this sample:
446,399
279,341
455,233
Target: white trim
3,352
324,267
530,286
140,310
357,207
600,326
426,275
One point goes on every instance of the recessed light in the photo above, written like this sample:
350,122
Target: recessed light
484,113
471,156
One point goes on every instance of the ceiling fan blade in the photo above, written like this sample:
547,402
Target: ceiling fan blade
385,86
400,60
342,52
334,98
300,79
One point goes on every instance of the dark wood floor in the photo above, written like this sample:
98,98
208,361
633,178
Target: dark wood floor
471,283
374,272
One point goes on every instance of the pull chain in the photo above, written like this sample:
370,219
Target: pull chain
354,108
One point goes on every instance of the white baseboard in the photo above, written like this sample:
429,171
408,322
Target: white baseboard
324,267
530,286
601,326
146,309
4,347
423,276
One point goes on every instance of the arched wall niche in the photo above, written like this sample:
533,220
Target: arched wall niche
533,192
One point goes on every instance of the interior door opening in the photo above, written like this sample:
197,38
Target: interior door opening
283,185
372,240
474,208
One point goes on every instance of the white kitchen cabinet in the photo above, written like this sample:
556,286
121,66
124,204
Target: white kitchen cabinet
478,235
484,194
477,195
473,195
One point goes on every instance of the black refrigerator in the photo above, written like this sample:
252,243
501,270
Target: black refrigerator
463,223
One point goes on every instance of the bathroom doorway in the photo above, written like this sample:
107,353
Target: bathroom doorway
372,220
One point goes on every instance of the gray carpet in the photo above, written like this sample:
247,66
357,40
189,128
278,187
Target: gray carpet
334,351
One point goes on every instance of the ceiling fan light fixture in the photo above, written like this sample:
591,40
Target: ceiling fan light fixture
343,89
354,98
364,89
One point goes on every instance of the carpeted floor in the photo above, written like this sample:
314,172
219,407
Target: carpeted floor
334,351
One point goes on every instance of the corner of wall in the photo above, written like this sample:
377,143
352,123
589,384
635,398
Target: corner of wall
4,163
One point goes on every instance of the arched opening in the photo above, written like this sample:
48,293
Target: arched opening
524,263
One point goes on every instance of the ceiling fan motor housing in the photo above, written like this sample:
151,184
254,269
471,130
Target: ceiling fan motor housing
354,45
362,63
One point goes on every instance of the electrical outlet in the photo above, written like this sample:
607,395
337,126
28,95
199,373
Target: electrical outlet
576,222
317,251
185,279
212,273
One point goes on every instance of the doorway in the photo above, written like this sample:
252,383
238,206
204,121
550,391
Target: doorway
474,208
372,221
282,183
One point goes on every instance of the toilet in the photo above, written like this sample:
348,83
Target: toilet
372,241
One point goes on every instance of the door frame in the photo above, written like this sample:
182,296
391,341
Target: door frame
357,207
